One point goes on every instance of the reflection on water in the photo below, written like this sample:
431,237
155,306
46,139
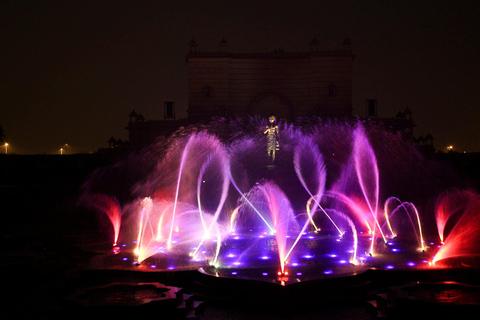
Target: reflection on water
447,293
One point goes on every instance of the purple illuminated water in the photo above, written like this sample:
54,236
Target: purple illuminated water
209,196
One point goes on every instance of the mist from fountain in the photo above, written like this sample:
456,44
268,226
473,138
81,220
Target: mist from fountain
212,197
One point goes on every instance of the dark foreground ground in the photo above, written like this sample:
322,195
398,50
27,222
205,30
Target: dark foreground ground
43,239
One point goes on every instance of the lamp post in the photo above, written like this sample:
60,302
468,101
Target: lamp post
61,151
6,148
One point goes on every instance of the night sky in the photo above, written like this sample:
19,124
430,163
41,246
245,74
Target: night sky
72,71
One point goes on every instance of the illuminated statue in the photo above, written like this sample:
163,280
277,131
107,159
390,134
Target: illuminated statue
272,137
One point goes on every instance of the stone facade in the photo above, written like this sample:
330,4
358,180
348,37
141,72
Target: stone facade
289,85
286,84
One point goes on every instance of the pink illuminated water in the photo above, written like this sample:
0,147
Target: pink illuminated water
218,201
463,235
109,206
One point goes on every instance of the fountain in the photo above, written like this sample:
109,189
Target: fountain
208,198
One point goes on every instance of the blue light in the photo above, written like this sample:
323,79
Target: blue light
234,273
328,272
265,274
411,264
153,266
299,273
125,259
390,267
265,257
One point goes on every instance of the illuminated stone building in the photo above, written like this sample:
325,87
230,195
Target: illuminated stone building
315,82
288,84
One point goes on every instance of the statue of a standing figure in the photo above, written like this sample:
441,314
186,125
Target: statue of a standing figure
272,137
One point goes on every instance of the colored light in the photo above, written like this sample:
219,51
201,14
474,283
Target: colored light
328,272
264,274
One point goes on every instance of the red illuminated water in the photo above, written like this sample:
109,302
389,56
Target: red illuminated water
217,201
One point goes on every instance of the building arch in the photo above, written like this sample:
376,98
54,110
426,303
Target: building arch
265,104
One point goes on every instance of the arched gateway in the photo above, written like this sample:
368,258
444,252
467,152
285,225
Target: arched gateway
271,103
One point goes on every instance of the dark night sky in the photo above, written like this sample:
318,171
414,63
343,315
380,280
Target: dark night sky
73,70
